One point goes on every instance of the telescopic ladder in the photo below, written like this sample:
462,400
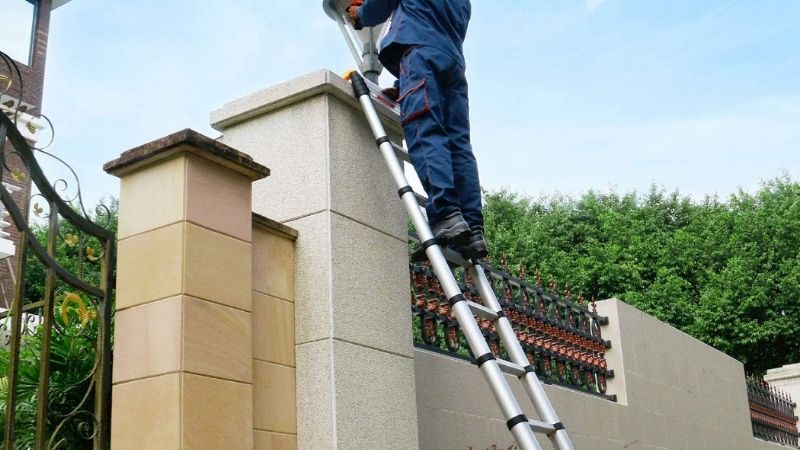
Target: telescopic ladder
492,367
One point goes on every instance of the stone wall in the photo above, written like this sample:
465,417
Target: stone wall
674,392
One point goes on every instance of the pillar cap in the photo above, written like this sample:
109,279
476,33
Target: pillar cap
320,82
186,141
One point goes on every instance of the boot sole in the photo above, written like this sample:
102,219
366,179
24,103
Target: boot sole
458,234
476,250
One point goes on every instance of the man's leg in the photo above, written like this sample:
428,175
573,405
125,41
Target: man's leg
465,167
423,119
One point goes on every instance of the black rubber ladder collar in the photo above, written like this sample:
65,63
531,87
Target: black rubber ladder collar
528,369
483,359
456,298
404,190
558,426
359,85
514,421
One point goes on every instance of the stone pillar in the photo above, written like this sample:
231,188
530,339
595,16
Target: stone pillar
274,399
183,360
787,379
354,352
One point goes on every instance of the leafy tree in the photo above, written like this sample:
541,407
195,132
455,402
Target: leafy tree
728,273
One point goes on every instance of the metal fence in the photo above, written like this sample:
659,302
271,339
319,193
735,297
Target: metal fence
772,413
560,335
55,371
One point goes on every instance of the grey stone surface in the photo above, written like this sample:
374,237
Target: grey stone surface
313,307
355,372
314,137
315,394
361,187
294,141
370,288
690,398
290,92
375,407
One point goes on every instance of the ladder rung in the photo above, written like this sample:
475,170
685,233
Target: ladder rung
421,199
510,368
482,311
401,153
541,427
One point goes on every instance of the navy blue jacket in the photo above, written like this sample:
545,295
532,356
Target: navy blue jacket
437,23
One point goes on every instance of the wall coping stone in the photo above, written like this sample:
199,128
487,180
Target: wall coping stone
186,141
319,82
275,227
784,372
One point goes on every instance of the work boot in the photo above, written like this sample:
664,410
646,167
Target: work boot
475,247
452,230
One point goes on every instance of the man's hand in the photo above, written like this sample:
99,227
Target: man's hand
392,93
352,10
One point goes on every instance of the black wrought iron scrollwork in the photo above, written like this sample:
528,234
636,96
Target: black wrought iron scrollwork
560,336
58,331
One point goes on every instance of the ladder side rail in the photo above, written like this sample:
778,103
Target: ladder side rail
348,37
533,386
521,430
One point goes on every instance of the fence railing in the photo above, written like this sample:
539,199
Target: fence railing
561,337
772,413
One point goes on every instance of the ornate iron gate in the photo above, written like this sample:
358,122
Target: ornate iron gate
56,392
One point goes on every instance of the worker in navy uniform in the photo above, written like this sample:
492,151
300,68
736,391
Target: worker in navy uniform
423,49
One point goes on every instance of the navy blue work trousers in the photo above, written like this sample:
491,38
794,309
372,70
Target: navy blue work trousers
435,115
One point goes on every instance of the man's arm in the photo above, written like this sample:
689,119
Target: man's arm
375,12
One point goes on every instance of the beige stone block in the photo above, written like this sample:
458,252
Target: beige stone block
138,211
150,266
218,268
218,198
315,396
147,340
312,304
274,398
274,441
217,414
273,265
217,341
273,330
147,414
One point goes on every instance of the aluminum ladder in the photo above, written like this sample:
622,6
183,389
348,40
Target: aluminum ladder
493,368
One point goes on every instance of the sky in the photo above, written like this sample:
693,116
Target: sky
700,96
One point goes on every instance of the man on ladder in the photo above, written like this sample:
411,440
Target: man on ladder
424,50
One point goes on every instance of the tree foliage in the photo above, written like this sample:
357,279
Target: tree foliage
70,419
725,272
